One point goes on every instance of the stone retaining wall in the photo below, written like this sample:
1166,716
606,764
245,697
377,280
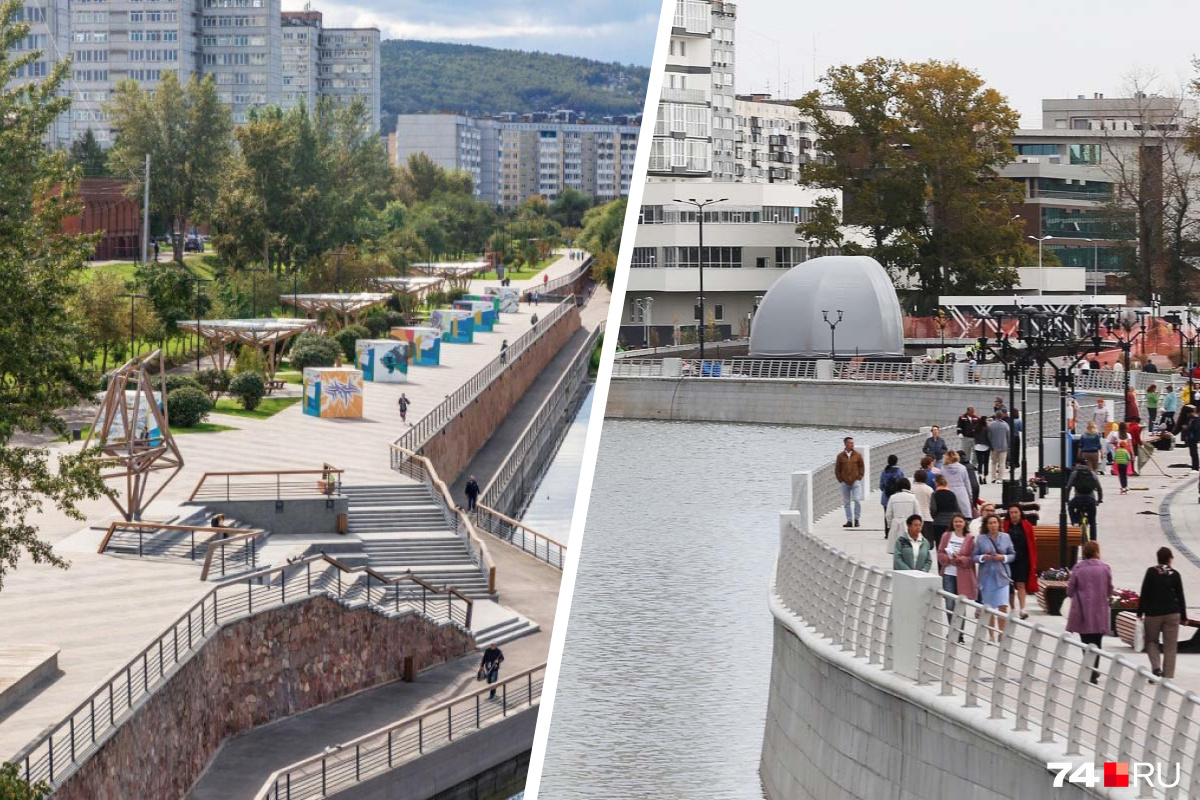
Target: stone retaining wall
272,665
452,448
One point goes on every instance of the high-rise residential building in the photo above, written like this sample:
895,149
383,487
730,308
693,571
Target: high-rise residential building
513,158
710,145
1080,169
240,42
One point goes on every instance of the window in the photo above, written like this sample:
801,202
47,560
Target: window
1085,154
643,258
650,215
1036,149
762,262
718,311
714,257
788,257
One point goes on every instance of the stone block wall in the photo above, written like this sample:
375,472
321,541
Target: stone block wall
272,665
831,735
452,448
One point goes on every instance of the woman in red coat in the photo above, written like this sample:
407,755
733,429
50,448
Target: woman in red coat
1024,567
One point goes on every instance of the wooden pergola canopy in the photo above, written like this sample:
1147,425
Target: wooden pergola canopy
347,305
261,333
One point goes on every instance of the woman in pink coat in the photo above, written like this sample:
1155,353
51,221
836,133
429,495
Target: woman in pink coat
955,564
1090,588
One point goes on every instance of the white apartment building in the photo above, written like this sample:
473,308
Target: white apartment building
239,42
451,141
709,145
301,49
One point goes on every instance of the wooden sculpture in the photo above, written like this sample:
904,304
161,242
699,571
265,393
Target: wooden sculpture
132,433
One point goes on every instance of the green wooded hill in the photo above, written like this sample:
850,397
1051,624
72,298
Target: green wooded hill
426,77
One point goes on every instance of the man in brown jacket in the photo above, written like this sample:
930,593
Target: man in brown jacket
849,469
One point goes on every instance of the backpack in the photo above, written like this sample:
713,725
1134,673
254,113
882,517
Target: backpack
892,484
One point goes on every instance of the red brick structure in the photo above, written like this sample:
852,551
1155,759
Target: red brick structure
107,210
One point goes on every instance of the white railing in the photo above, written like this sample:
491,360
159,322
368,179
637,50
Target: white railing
673,349
1033,687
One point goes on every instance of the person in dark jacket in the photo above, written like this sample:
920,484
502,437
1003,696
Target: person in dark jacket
889,480
1163,608
943,505
966,429
983,448
1088,495
1192,437
472,491
935,446
493,657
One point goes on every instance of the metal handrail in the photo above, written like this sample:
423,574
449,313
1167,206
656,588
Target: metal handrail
444,412
326,486
55,756
520,535
421,469
375,753
551,286
548,414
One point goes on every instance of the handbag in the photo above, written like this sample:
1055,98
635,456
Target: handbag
481,675
1139,636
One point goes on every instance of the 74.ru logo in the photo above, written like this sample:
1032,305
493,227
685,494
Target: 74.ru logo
1115,774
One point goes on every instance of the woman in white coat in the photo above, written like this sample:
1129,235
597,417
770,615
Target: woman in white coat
901,505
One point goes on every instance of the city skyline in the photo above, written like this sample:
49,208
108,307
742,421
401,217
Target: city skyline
621,31
1031,52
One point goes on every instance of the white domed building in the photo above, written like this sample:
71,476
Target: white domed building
789,322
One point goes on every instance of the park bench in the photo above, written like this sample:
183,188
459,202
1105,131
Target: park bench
275,385
1046,537
1125,621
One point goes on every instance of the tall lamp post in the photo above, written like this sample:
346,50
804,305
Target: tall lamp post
198,281
1095,265
1005,354
133,298
1041,272
832,323
1125,322
337,280
700,205
254,271
1191,341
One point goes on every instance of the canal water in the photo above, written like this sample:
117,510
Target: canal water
664,681
552,505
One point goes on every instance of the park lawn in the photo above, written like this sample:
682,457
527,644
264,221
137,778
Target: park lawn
294,378
520,274
203,427
198,264
269,407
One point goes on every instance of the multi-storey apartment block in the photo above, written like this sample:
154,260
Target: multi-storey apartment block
241,43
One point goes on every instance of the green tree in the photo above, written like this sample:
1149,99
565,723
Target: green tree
103,313
186,132
569,208
89,156
39,271
14,787
601,236
919,167
824,227
419,179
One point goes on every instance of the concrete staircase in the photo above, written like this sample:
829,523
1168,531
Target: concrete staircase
403,528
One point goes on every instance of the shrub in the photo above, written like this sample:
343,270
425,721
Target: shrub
249,388
314,351
14,787
250,359
177,381
347,336
214,381
187,407
377,324
455,294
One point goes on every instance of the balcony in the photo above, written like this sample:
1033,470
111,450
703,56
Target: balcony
671,95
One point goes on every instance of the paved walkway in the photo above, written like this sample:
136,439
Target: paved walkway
1159,510
105,609
562,266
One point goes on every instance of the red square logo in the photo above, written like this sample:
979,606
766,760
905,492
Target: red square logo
1116,773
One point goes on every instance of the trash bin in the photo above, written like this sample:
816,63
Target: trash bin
1010,492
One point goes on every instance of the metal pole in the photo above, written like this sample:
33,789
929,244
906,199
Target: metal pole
146,215
700,213
1062,451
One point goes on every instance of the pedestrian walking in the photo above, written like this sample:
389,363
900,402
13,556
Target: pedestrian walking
1170,406
943,506
1131,404
994,552
1072,414
850,469
1163,609
535,296
955,559
923,493
156,250
1100,414
889,479
472,492
966,429
1152,403
1090,588
931,472
912,551
983,448
900,506
935,446
1088,495
972,478
999,437
975,526
1014,450
489,669
1192,438
959,482
1024,566
1089,446
504,352
1123,457
404,403
998,407
533,321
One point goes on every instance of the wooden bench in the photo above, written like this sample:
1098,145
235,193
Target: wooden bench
275,385
1126,620
1046,537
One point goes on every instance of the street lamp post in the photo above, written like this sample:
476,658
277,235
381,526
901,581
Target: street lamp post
700,205
133,298
1095,265
1041,273
198,281
832,331
337,280
254,271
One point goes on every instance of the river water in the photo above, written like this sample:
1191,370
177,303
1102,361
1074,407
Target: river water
664,681
553,504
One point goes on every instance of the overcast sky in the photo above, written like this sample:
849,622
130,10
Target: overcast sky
612,30
1027,50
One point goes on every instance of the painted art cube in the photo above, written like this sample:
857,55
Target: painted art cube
484,311
487,297
333,392
456,324
382,360
508,298
424,345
